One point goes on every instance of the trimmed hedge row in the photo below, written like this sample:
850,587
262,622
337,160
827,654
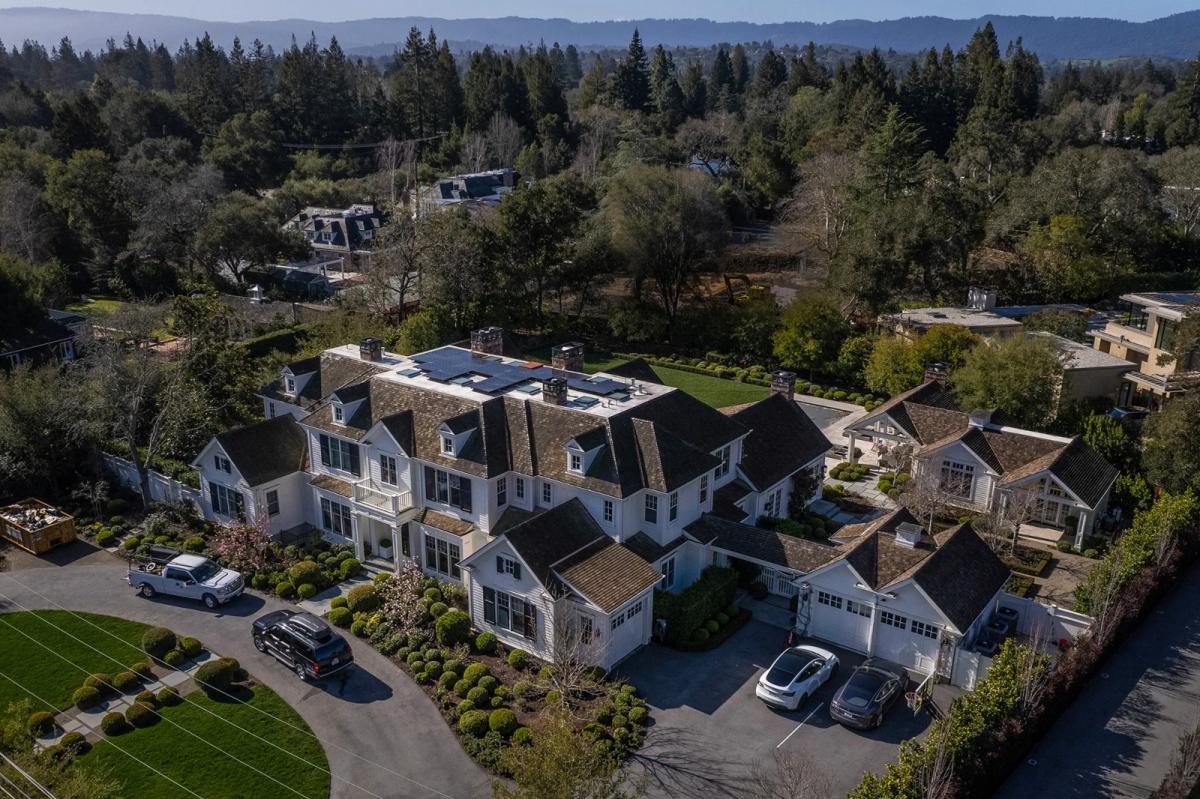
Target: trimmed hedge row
686,611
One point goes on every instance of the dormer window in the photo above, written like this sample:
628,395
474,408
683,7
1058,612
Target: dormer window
574,462
289,385
448,446
339,413
223,464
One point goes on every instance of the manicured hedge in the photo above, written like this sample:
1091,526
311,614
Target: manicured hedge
688,610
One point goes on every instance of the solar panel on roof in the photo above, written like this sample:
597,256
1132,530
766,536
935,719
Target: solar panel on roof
530,388
409,372
585,402
450,364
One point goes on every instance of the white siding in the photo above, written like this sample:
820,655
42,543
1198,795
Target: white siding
527,588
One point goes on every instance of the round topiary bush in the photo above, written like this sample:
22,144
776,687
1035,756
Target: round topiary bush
191,647
285,589
699,635
131,543
595,730
522,736
358,627
349,568
143,669
453,627
363,598
306,591
474,672
485,643
146,697
100,681
194,544
553,697
40,723
479,696
340,617
722,619
218,676
140,715
261,581
447,679
503,721
169,697
518,658
712,626
337,602
418,667
453,664
437,609
74,744
432,594
638,715
488,683
465,706
126,682
462,688
114,724
433,669
306,571
1091,553
619,721
158,641
105,538
174,658
474,723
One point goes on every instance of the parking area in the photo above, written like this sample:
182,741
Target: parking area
704,703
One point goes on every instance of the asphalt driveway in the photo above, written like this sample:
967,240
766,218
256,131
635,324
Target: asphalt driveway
710,729
381,734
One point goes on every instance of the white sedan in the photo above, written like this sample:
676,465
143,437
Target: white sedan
796,675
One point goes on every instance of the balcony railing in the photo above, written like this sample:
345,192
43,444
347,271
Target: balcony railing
385,498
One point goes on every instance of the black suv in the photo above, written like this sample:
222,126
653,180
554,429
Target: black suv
303,643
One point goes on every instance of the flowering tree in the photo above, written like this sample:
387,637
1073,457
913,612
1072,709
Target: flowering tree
401,596
244,546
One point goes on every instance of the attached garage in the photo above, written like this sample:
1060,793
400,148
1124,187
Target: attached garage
839,620
911,642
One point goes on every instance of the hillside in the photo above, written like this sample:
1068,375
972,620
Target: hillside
1176,36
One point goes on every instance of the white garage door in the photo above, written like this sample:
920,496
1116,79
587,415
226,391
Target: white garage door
626,631
840,621
907,641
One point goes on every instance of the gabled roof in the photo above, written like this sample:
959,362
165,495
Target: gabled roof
267,450
591,440
332,372
725,500
305,366
552,536
782,441
926,413
638,369
463,423
351,393
763,545
668,461
1077,466
608,574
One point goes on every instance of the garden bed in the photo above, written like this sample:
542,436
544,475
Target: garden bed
1027,560
722,634
1019,585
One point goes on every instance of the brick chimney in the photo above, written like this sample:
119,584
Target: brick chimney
936,373
370,349
783,382
554,390
487,341
567,357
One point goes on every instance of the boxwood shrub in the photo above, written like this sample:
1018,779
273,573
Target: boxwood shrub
474,723
169,696
40,723
522,736
158,641
105,538
114,724
349,568
100,681
174,658
485,643
363,599
306,591
337,602
218,676
474,672
306,571
479,696
340,617
686,611
518,658
126,681
503,721
453,627
140,715
190,647
285,589
74,744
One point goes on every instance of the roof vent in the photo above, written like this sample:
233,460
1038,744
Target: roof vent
370,349
980,417
908,535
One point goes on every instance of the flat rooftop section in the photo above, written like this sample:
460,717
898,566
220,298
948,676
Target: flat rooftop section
970,318
459,372
1177,303
1081,356
1021,311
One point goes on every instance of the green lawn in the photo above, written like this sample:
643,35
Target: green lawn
42,671
204,769
716,391
97,306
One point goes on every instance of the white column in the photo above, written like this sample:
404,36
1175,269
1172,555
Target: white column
871,631
850,456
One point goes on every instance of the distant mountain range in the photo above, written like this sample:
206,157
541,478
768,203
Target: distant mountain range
1176,36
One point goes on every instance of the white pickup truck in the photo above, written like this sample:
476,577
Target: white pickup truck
190,576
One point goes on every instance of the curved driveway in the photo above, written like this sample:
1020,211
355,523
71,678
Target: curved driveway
379,729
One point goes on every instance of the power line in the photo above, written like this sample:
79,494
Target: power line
297,727
42,789
14,786
173,723
196,705
109,741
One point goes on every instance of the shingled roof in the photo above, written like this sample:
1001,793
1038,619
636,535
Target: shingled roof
330,372
608,574
763,545
267,450
782,440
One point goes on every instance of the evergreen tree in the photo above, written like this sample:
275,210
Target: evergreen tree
481,89
772,73
695,90
633,76
742,71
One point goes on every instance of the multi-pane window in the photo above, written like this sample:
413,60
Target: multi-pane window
520,488
575,462
289,385
769,508
506,565
227,502
608,510
339,413
223,464
651,509
547,494
447,445
387,470
893,619
270,410
335,517
448,488
339,454
832,600
272,502
724,454
442,556
673,507
405,542
957,478
502,492
634,610
510,613
858,608
617,621
927,630
703,488
585,629
668,573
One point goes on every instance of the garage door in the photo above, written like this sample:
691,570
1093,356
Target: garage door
907,641
840,621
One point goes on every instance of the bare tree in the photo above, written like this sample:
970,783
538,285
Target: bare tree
601,125
504,139
925,496
817,215
1104,599
475,152
394,270
1001,523
578,646
390,157
788,775
1034,672
26,229
935,776
1184,774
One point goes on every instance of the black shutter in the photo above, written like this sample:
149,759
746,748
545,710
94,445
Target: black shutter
464,490
430,484
355,466
489,605
324,450
516,570
499,564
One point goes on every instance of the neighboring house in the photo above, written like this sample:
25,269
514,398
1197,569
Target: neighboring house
256,474
1087,373
1058,482
474,190
981,316
48,340
1141,334
342,233
453,458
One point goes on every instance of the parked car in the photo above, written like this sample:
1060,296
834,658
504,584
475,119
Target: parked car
302,642
796,675
865,698
189,576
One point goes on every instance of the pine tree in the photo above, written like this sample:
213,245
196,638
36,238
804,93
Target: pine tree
633,76
772,73
481,89
695,90
742,71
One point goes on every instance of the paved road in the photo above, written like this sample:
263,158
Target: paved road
378,728
1119,736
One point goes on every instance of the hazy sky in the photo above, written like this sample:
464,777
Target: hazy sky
752,11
